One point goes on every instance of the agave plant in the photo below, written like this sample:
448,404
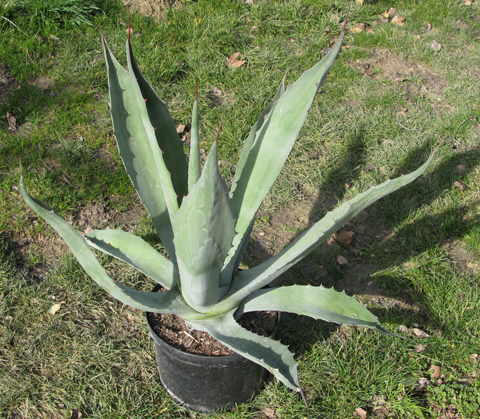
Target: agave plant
205,226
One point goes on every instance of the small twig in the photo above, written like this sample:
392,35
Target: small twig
436,360
190,336
409,129
455,133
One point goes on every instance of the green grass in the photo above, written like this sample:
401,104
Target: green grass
361,130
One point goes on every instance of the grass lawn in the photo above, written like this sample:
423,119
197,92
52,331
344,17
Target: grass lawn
406,79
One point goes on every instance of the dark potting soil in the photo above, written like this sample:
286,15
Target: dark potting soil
173,330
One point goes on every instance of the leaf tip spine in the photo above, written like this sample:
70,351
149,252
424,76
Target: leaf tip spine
196,90
285,76
220,127
129,27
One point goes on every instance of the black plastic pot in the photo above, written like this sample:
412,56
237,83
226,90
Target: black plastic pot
206,384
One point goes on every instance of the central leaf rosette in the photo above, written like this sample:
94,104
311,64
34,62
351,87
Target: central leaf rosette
204,228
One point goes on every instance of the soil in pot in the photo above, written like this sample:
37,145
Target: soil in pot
173,330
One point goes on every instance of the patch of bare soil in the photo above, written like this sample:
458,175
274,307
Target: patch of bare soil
415,78
50,247
465,262
7,84
155,8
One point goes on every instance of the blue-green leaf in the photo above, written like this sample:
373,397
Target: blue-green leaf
136,252
247,281
158,302
194,161
204,229
139,149
267,149
318,302
164,126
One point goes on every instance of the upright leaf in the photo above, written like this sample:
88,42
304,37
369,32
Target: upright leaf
194,161
261,163
139,149
240,241
204,229
164,126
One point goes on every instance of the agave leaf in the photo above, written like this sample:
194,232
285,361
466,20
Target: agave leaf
139,149
240,241
264,351
273,142
317,302
240,172
194,161
170,302
248,281
136,252
167,137
204,229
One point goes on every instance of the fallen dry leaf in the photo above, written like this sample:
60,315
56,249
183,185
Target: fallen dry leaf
460,185
420,348
360,412
344,237
467,2
270,413
359,27
12,122
88,230
234,62
359,1
436,46
76,414
389,13
53,309
180,128
370,30
341,260
422,383
419,333
398,20
435,372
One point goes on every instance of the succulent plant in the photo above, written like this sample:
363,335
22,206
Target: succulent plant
205,226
